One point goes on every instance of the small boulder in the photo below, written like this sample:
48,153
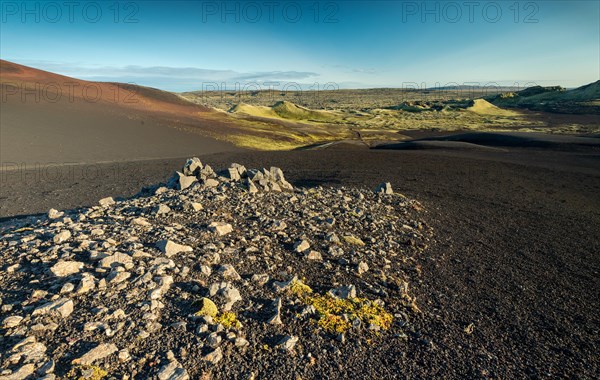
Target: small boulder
86,284
214,357
220,228
288,343
301,246
229,273
66,268
173,371
55,214
276,318
384,188
210,182
194,206
233,174
62,307
12,321
192,166
314,255
105,202
115,260
170,248
99,352
344,292
162,209
362,267
62,236
251,186
227,292
185,181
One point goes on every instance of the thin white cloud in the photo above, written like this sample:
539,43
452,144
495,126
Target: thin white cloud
164,76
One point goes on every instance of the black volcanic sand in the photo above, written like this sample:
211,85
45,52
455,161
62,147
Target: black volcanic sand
516,250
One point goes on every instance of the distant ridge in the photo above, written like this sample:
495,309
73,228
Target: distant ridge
581,100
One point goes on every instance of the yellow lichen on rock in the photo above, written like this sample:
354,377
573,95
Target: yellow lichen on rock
207,308
87,372
299,288
335,315
228,320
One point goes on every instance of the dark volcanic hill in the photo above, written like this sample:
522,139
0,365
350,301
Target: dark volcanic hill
581,100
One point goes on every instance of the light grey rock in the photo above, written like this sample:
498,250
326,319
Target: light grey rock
274,186
116,260
86,284
62,307
251,187
205,270
384,188
260,279
12,321
211,182
241,342
277,174
28,350
140,222
55,214
288,343
213,339
214,357
233,174
97,232
173,371
155,294
229,273
162,209
314,255
170,248
105,202
185,181
227,292
279,225
301,246
207,172
344,292
61,237
66,268
362,267
276,318
281,286
118,277
220,228
99,352
241,169
20,374
285,185
124,355
194,206
192,166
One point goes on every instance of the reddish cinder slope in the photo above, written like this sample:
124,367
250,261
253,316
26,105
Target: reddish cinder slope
48,117
50,87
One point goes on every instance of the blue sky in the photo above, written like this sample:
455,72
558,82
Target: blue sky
190,45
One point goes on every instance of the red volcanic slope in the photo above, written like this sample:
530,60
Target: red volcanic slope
17,79
53,118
